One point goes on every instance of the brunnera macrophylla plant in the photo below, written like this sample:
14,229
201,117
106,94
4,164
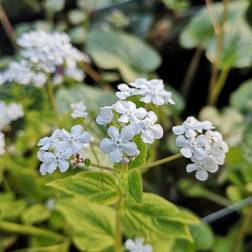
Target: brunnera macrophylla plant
106,199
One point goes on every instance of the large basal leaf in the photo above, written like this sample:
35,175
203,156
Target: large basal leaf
118,50
94,98
154,219
92,224
135,185
237,44
242,97
98,187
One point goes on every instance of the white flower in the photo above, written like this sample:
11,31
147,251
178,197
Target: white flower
202,145
151,91
22,73
202,167
2,144
137,245
48,50
79,110
119,144
106,115
125,91
53,160
148,129
9,112
56,150
77,138
128,112
191,126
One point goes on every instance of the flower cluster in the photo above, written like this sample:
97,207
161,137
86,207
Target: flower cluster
79,110
149,91
137,245
56,150
43,56
133,121
202,145
8,113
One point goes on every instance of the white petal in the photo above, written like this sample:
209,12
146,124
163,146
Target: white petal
116,156
107,145
201,175
84,138
157,131
130,148
130,244
186,152
140,113
191,167
63,165
43,169
76,129
178,130
127,133
113,132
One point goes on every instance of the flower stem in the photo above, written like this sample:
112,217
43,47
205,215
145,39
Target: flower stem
94,153
159,162
219,86
50,93
118,229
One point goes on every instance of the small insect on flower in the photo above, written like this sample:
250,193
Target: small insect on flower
202,145
137,245
56,151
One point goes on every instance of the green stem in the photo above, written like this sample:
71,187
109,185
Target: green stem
51,97
28,230
94,153
118,228
186,85
159,162
219,86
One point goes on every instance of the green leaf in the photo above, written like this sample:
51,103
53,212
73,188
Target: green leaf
98,187
10,210
154,219
237,35
202,236
93,97
242,97
35,214
135,185
92,224
118,50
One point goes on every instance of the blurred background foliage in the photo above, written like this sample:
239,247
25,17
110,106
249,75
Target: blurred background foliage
169,39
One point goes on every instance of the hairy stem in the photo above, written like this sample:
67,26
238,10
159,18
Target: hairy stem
118,228
51,97
219,86
159,162
186,85
94,153
219,33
